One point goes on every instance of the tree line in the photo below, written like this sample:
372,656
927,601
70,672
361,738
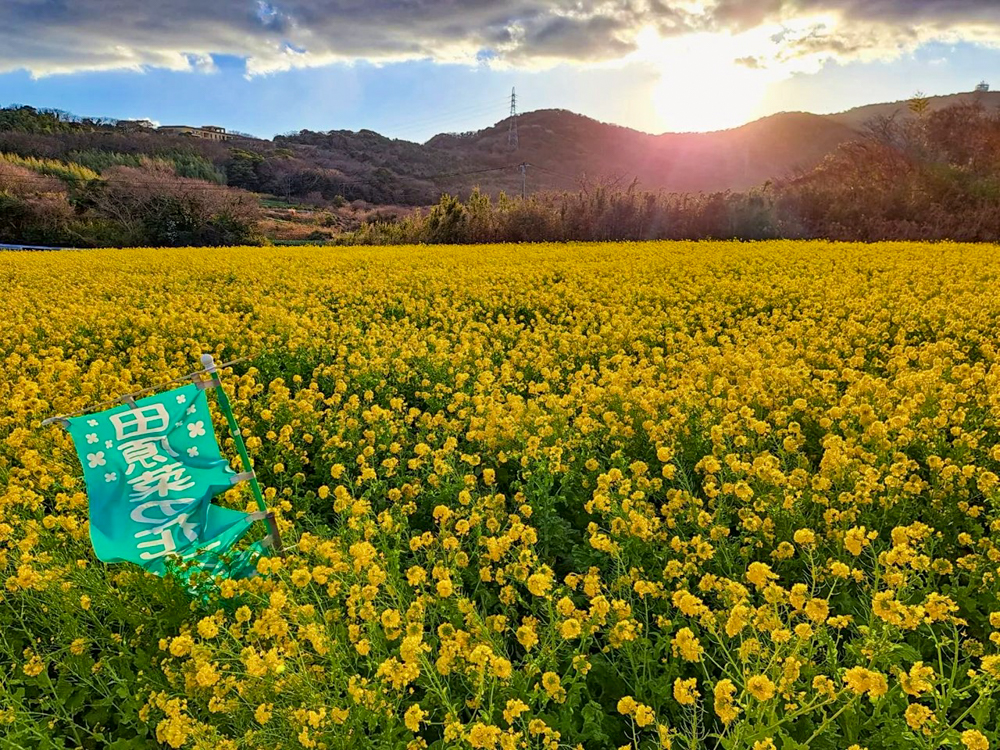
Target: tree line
935,176
930,175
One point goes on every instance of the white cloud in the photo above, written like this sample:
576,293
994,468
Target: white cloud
49,37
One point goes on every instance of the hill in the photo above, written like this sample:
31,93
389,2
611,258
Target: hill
568,148
563,151
857,117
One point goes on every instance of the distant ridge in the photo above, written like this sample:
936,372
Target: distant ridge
574,148
856,117
563,151
567,150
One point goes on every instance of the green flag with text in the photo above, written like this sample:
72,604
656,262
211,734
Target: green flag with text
151,471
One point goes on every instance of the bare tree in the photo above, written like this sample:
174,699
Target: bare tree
883,129
153,204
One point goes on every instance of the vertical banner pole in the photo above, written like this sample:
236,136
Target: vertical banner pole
208,362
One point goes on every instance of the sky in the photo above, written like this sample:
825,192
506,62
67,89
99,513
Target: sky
414,68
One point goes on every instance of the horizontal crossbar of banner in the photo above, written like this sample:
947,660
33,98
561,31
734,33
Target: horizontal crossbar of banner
130,397
244,476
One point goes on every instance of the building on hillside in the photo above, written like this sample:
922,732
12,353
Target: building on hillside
983,88
134,126
208,132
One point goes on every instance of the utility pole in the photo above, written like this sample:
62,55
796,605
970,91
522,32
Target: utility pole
512,125
523,166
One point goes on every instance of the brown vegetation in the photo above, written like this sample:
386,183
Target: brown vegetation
935,177
929,176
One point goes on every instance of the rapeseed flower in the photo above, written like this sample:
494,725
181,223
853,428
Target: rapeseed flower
761,687
506,473
685,691
973,739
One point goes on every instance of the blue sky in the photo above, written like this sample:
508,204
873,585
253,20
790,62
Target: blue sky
425,78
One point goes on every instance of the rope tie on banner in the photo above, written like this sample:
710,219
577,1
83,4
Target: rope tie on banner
272,539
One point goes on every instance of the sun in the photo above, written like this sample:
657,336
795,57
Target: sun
707,81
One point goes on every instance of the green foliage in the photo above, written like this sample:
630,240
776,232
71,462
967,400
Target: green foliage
927,177
446,222
243,169
31,120
137,201
69,172
181,163
98,160
194,166
601,214
185,220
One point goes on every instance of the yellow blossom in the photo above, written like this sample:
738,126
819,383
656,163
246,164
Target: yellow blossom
973,739
725,707
262,714
686,645
685,691
761,687
413,717
917,715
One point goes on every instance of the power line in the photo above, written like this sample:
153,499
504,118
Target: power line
462,174
431,119
552,171
131,183
194,183
346,181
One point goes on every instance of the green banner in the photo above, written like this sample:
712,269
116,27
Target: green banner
151,471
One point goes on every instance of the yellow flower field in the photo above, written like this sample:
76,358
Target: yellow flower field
707,496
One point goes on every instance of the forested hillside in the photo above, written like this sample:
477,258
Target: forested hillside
563,151
905,171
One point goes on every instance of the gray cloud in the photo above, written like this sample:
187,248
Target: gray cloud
740,15
566,37
62,36
909,11
883,29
